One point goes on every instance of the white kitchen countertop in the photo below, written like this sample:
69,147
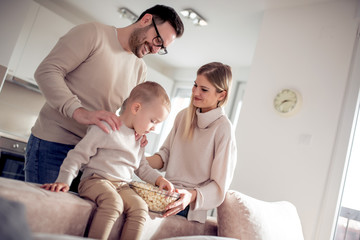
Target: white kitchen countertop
13,136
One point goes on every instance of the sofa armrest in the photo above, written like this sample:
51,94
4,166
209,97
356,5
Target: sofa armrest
49,212
245,218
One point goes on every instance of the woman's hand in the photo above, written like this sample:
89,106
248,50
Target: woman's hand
56,187
186,197
83,116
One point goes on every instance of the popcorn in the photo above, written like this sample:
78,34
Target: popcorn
156,200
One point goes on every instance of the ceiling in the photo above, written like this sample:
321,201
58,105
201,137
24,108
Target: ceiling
230,36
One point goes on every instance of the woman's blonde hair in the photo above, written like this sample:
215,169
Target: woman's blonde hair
220,76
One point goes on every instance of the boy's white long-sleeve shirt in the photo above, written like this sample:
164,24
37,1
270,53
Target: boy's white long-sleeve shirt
205,163
114,156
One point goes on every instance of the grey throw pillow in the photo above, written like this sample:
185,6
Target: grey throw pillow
13,224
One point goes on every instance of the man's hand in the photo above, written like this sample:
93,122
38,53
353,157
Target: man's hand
84,116
186,197
56,187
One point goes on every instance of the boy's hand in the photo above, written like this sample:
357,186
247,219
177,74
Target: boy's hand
164,184
142,138
56,187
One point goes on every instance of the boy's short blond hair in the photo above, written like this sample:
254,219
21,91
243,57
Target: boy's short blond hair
146,92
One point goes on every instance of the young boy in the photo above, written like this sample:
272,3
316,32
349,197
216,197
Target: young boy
108,162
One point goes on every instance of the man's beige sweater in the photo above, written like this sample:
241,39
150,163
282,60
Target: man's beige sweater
206,163
86,68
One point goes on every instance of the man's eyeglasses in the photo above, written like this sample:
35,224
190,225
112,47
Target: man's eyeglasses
158,41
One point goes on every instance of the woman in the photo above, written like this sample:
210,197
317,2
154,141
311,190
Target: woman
199,154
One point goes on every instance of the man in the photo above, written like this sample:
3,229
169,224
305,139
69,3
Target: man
85,79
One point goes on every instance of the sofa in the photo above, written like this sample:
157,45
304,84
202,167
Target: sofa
50,215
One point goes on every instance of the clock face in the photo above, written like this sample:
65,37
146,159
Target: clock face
286,101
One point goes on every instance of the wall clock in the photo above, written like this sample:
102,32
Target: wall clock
287,102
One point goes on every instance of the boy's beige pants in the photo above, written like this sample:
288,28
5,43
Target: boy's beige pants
112,200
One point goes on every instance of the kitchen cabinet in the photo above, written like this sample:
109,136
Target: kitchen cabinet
40,32
19,108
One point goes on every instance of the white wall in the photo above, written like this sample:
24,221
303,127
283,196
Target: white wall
307,48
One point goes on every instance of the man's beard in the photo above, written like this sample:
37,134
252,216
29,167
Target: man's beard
137,40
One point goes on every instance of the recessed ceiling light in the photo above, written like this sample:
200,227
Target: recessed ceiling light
195,18
126,13
185,13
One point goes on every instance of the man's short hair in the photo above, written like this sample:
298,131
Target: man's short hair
162,13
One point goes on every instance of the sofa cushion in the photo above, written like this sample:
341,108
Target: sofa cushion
199,238
253,219
51,236
177,226
157,227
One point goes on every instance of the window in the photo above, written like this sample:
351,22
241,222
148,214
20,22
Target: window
236,103
179,101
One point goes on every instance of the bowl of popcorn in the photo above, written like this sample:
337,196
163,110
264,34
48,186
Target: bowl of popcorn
156,199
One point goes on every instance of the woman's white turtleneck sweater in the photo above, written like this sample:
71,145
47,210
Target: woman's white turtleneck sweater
206,163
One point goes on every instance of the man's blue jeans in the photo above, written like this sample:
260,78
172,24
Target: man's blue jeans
43,160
